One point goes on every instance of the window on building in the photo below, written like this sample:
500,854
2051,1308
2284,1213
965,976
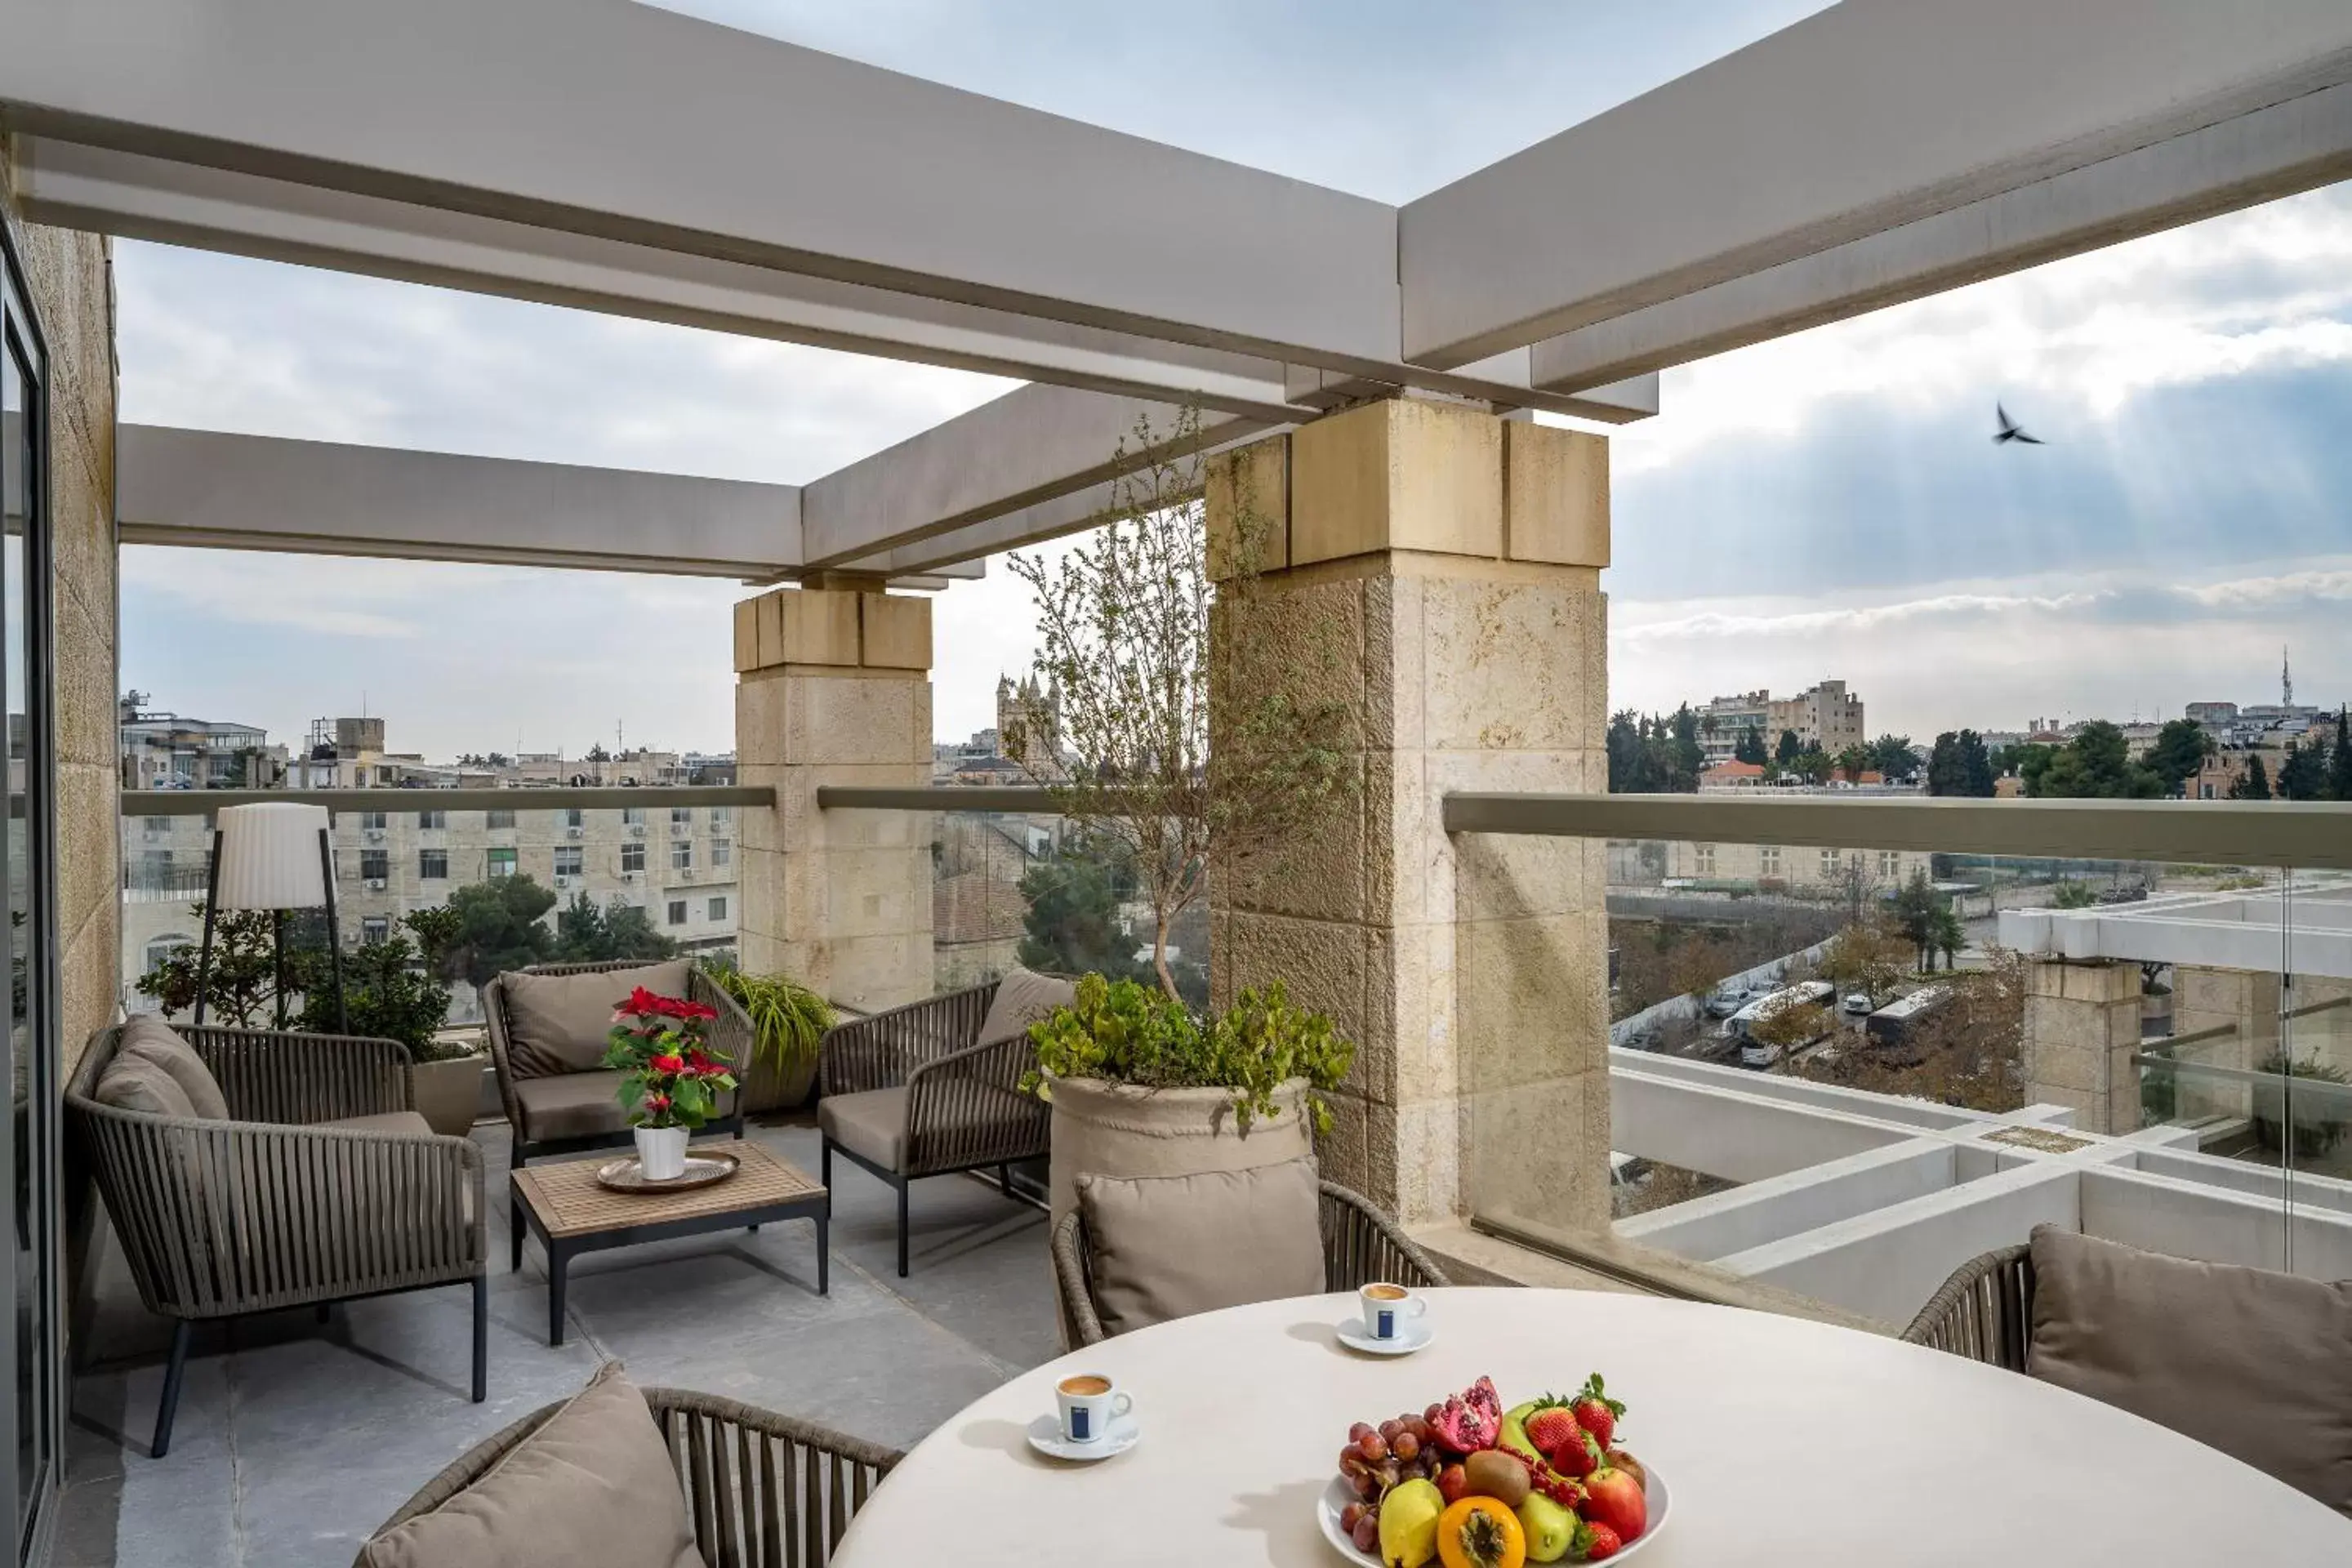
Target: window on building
721,815
571,860
432,819
161,950
678,911
633,816
1832,859
383,775
432,865
375,927
1706,858
682,814
681,855
574,817
723,853
498,819
1769,861
375,865
372,820
1890,863
632,857
501,863
719,909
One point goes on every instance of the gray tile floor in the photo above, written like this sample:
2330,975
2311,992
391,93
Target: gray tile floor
294,1441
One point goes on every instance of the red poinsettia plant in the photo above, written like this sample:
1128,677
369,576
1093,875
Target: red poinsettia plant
668,1077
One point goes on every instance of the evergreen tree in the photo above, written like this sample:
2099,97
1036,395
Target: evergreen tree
1750,747
2340,766
2303,774
2255,784
498,929
1960,765
1894,756
1790,748
2094,765
590,932
2180,748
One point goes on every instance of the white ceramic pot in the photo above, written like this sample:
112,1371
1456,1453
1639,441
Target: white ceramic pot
661,1151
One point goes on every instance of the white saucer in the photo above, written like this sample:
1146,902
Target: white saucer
1045,1437
1415,1335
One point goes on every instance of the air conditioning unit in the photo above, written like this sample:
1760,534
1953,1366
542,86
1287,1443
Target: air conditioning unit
375,835
681,829
562,881
631,876
576,832
376,884
636,830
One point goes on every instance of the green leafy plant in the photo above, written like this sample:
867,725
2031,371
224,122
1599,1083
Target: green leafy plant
788,1019
393,988
1123,1032
2320,1118
669,1079
240,988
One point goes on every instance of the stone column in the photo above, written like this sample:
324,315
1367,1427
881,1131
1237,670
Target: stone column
1435,569
2082,1028
833,686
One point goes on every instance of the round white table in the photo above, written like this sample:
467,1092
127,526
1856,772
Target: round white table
1783,1441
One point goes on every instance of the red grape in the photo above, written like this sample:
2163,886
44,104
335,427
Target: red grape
1352,1458
1375,1448
1351,1514
1452,1482
1368,1485
1406,1447
1367,1533
1356,1433
1389,1428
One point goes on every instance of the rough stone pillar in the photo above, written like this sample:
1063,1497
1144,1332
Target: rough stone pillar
833,686
1436,570
2082,1028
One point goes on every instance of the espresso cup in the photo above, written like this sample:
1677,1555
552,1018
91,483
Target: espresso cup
1386,1309
1088,1405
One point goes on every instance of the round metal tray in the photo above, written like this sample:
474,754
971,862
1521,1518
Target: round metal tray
628,1176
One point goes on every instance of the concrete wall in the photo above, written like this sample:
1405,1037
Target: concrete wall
70,279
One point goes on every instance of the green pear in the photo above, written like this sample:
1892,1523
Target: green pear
1408,1524
1547,1526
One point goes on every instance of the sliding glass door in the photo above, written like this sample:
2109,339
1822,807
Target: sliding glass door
30,1364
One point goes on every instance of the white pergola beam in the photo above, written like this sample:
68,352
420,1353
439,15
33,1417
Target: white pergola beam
1860,119
208,488
2273,152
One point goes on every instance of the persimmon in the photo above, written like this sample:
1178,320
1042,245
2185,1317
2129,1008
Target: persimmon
1480,1532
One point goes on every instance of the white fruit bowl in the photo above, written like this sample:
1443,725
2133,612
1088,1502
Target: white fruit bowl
1339,1495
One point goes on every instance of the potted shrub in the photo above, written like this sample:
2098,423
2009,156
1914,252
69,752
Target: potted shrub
788,1022
1142,1087
2321,1114
392,990
669,1083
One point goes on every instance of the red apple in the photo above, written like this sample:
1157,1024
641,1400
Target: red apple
1614,1497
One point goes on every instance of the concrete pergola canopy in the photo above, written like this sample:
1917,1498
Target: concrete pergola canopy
614,156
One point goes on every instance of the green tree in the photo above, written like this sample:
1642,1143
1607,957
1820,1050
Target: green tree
1813,765
1073,922
1790,748
1750,746
1959,764
590,932
240,987
1863,958
2180,748
1917,906
2339,764
2255,784
1654,754
1894,756
1946,935
2303,774
498,929
393,987
2094,765
1853,761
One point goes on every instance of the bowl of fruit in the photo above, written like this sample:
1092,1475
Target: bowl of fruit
1468,1484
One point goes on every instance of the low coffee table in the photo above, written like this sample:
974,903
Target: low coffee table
571,1213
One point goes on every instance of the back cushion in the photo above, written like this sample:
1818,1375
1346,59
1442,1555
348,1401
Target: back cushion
131,1084
561,1023
595,1484
1022,998
1170,1247
2255,1363
149,1038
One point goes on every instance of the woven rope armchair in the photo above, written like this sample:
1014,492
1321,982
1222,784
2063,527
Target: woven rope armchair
1985,1310
763,1490
1360,1244
277,1207
962,1108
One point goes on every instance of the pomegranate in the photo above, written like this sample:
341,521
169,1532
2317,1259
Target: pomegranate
1472,1420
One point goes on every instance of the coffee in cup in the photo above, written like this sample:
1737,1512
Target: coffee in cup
1387,1308
1089,1402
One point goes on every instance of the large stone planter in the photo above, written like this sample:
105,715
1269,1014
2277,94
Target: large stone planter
766,1087
448,1094
1119,1129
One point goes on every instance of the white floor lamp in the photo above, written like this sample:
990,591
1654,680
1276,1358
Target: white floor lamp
276,856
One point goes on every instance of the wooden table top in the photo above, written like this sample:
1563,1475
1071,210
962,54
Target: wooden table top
569,1201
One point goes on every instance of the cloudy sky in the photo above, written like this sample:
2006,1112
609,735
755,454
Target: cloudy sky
1826,505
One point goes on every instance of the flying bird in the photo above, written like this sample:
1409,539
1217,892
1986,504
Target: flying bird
2011,430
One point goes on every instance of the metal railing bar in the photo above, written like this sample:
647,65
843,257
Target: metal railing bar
2318,1087
2302,835
560,797
1034,800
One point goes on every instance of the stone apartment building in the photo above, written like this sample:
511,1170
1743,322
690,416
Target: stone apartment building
1764,868
1826,715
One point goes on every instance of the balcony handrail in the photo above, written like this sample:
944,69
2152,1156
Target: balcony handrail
521,797
2296,835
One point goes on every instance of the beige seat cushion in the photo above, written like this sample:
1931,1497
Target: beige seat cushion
582,1105
595,1484
149,1038
1023,997
385,1121
563,1023
130,1083
2255,1363
873,1125
1170,1247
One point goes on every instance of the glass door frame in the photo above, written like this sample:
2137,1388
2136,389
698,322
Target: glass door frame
21,337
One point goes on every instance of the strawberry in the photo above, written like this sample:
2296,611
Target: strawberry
1595,1410
1551,1424
1576,1457
1593,1542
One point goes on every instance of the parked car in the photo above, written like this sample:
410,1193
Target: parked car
1726,1000
1856,1002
